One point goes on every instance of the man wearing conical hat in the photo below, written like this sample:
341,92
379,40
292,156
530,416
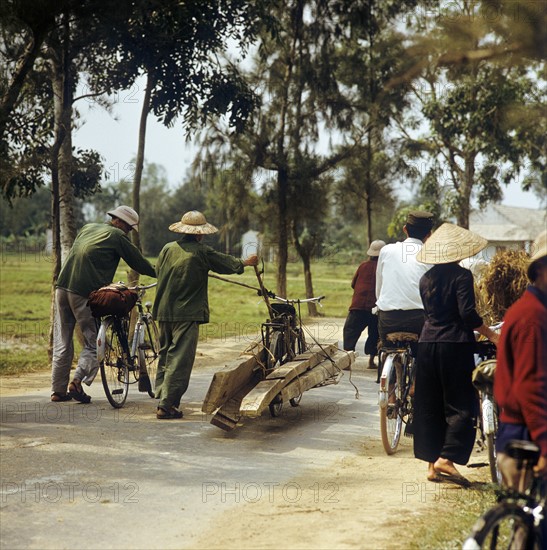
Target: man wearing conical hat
444,398
520,384
181,304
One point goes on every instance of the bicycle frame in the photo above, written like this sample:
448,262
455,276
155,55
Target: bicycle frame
118,355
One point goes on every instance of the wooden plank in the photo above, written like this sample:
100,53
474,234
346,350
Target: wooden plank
319,374
228,381
228,415
302,362
264,392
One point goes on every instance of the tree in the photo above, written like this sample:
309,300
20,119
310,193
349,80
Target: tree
177,46
475,138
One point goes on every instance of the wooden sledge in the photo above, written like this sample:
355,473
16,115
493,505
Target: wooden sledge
244,388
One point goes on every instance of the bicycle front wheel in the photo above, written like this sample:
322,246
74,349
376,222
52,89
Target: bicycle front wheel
149,350
506,525
391,388
114,367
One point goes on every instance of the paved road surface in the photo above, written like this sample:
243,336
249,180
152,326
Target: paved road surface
89,476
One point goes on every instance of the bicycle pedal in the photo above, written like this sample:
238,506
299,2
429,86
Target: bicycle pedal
117,392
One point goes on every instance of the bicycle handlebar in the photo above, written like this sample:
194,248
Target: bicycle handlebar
300,301
142,287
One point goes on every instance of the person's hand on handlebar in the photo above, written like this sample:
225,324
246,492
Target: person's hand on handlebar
487,332
251,260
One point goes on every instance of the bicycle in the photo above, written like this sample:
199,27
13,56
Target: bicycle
395,397
517,520
487,417
283,339
124,361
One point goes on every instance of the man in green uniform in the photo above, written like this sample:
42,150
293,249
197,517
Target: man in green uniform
90,264
181,304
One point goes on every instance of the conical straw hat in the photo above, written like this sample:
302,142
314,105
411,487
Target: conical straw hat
193,223
450,243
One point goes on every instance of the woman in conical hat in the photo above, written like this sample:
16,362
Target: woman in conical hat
444,431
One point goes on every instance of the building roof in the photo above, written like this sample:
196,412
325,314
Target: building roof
498,222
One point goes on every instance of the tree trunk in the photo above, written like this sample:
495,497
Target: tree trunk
465,191
305,253
135,237
62,210
368,194
62,99
22,68
282,233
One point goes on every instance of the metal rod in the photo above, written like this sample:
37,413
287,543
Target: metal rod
264,292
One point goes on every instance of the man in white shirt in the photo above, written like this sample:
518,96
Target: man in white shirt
398,276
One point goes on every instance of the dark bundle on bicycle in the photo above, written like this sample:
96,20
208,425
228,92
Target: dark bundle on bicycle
114,299
284,310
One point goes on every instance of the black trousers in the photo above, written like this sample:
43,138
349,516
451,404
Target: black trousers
445,402
356,322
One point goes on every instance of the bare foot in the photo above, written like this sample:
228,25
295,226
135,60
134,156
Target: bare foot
445,466
431,473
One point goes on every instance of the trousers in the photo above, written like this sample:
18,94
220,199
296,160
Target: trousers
71,308
445,402
356,322
178,345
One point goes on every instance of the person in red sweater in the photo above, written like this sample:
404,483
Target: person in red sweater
520,384
360,314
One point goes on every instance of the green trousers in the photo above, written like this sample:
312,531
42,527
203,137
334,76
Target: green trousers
178,344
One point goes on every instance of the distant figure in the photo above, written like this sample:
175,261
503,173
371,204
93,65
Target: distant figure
90,264
182,304
360,314
520,383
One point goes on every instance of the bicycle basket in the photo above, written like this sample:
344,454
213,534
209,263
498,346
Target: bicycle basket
483,375
112,299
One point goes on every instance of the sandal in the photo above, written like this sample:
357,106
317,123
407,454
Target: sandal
75,391
167,414
57,397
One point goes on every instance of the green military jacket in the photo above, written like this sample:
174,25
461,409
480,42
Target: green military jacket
183,266
94,258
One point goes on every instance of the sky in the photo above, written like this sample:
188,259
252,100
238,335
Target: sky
114,135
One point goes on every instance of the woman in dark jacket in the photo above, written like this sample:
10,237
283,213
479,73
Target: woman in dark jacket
445,400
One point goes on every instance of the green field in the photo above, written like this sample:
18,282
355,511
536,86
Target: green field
25,300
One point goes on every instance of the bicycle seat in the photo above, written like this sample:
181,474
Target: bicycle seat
523,450
404,337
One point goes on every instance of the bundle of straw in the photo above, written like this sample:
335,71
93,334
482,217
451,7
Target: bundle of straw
501,284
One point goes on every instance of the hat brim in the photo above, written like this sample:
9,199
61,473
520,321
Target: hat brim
450,243
204,229
133,226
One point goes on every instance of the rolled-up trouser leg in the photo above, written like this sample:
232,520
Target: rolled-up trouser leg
88,366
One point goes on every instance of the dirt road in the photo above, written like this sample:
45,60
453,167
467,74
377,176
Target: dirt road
88,476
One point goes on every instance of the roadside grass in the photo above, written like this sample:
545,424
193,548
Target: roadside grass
235,311
451,516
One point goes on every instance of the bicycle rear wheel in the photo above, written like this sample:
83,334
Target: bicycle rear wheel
391,392
149,350
114,367
506,525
